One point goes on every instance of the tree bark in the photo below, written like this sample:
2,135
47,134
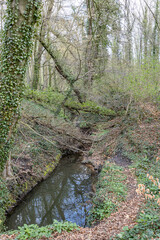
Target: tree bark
89,48
22,15
37,65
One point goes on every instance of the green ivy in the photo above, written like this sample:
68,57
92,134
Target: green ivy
16,50
4,201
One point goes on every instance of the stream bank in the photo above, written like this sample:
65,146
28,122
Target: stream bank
64,196
40,143
115,217
139,142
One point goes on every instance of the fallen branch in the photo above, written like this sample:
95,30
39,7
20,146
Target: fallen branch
90,107
28,126
59,141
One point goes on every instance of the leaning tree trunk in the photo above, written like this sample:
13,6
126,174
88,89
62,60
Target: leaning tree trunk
21,18
60,66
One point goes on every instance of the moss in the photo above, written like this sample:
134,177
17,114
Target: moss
56,99
90,106
51,166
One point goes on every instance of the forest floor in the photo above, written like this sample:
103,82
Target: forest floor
139,142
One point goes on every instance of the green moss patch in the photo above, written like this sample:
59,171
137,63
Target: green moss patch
55,99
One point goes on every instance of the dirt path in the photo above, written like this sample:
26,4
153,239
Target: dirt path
125,216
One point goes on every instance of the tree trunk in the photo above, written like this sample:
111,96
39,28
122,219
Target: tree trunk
7,172
22,16
89,48
37,65
39,50
156,33
145,33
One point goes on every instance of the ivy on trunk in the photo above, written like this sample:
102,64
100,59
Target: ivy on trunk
22,15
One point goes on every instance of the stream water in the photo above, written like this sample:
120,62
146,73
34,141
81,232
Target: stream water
63,196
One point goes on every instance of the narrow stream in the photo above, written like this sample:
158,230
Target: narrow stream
63,196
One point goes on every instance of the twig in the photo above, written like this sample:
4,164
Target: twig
25,124
130,101
64,144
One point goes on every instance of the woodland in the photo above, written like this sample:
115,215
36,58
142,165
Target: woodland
82,77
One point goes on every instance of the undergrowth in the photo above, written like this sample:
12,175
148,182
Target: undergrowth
4,201
29,232
148,227
147,169
110,191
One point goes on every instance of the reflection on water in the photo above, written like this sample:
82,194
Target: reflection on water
62,196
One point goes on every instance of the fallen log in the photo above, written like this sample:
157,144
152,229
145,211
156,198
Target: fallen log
50,99
90,107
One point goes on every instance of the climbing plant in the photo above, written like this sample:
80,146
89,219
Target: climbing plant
20,22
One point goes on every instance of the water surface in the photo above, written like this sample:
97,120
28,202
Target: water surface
63,196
